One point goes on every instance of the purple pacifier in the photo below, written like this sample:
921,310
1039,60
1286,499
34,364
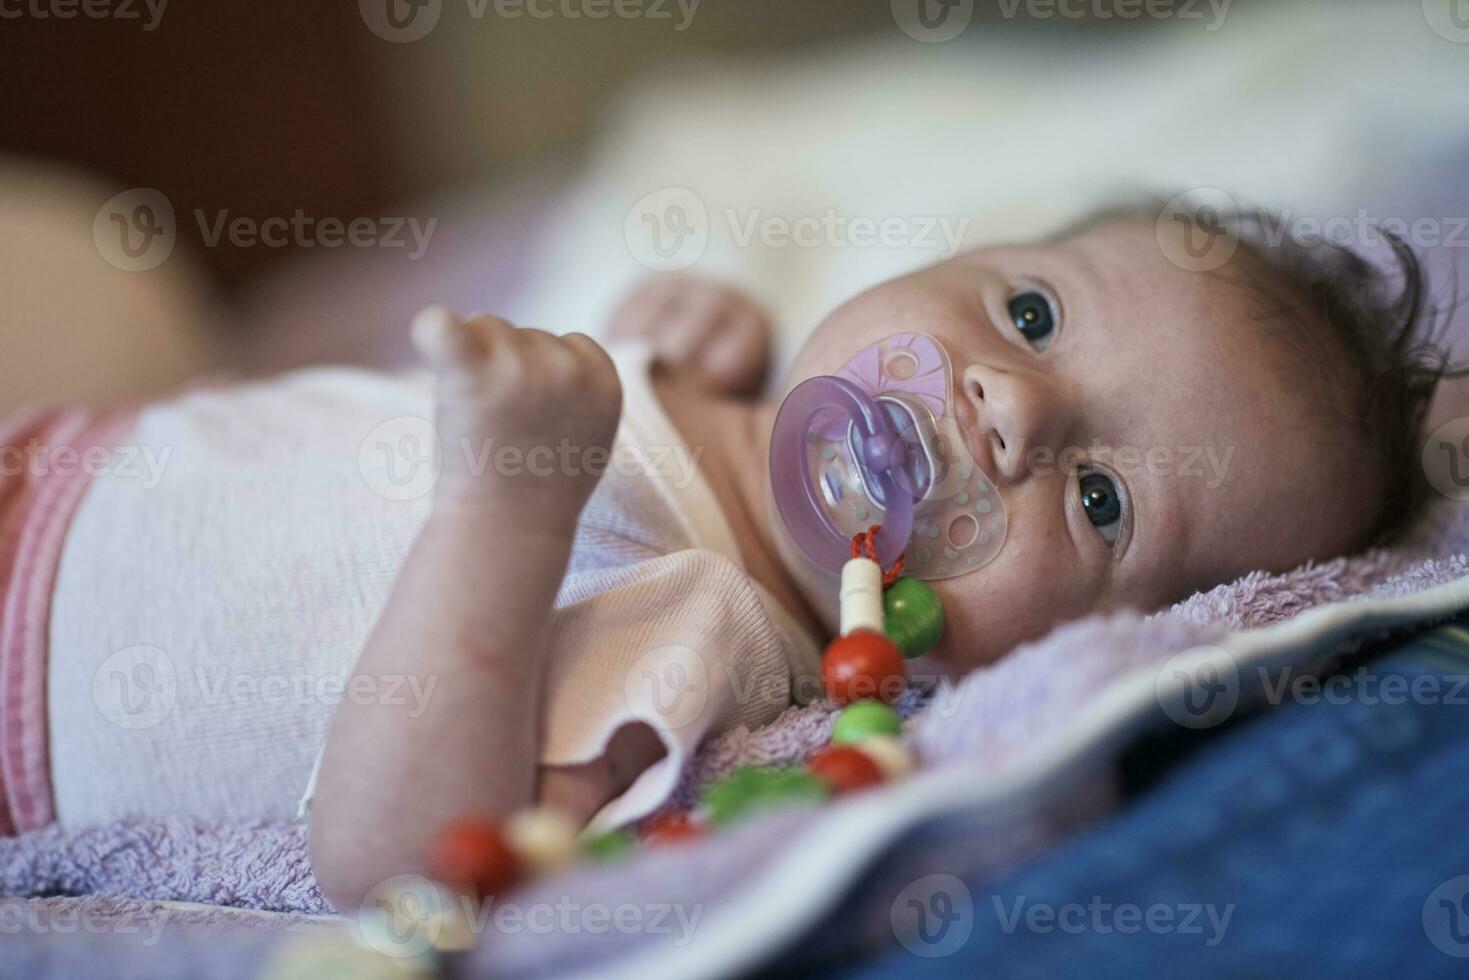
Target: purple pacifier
879,443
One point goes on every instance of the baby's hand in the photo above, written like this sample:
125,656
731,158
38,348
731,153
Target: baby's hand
518,407
715,333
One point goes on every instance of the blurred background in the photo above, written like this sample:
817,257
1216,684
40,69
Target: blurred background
206,187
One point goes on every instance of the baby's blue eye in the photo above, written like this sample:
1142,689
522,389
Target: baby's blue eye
1102,502
1034,317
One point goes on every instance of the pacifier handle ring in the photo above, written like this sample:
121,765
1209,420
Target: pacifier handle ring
796,494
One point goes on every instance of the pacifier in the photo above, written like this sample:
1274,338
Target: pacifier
878,443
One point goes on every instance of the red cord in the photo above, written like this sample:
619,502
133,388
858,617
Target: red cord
864,545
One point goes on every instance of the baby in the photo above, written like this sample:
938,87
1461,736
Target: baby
1152,431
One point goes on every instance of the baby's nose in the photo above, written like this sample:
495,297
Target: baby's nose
1015,413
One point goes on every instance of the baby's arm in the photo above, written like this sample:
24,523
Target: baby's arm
471,606
713,333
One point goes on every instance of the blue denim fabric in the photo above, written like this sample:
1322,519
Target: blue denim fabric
1334,833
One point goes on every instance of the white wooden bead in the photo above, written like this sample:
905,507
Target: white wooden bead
861,596
544,838
891,755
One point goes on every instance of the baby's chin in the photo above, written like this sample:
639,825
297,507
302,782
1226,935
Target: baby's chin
951,660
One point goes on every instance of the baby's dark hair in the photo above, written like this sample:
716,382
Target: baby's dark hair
1377,316
1382,320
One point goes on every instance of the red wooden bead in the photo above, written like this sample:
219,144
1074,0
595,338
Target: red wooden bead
672,828
844,769
863,664
473,856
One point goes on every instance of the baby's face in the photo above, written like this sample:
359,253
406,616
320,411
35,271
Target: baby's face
1141,422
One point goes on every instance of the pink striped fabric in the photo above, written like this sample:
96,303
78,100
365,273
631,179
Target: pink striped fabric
38,494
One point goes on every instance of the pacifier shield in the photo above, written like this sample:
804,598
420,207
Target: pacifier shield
903,456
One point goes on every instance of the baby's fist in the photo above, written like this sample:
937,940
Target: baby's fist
710,331
519,401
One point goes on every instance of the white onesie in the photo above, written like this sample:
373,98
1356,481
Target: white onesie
204,620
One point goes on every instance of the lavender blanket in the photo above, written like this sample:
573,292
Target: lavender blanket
216,901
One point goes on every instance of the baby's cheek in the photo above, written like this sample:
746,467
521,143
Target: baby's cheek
995,609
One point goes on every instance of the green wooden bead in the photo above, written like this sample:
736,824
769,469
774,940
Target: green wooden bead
914,616
609,846
752,788
863,718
